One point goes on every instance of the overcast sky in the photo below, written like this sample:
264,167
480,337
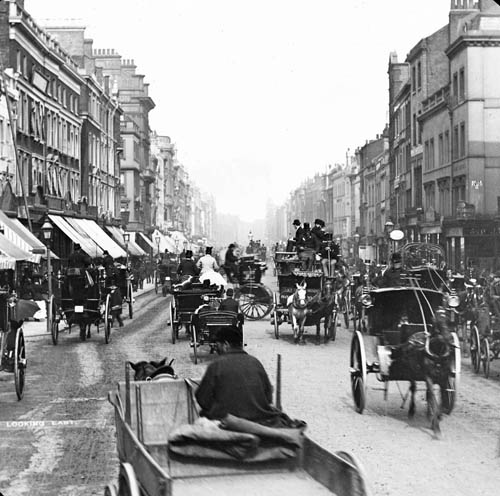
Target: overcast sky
259,95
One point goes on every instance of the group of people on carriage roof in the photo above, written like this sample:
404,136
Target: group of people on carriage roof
314,243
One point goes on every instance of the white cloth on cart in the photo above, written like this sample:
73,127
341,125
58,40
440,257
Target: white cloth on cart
213,277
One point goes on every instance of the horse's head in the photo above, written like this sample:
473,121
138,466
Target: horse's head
439,343
300,296
149,370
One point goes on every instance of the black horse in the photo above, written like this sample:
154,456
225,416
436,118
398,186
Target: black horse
323,307
431,357
144,371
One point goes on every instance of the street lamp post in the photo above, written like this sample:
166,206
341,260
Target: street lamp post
157,239
47,230
126,238
356,246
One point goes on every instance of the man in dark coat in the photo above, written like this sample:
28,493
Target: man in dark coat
231,305
392,274
236,383
78,259
299,235
187,266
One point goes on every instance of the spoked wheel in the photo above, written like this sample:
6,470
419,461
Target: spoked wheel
107,319
275,317
358,371
130,297
347,307
256,301
450,386
19,363
463,334
83,331
174,327
127,481
345,311
474,349
52,316
195,343
485,356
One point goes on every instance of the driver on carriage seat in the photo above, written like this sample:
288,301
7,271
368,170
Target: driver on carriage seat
231,305
392,274
236,383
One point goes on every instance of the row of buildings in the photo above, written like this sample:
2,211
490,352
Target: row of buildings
78,121
434,171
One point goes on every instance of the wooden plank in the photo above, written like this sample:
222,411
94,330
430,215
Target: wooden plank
164,406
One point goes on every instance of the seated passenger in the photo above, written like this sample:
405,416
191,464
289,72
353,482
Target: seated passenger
231,305
187,266
237,384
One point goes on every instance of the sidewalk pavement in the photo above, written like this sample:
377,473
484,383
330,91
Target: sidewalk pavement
39,328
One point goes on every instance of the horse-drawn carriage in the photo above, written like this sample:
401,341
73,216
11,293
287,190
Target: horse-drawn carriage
314,287
150,414
406,340
86,297
12,347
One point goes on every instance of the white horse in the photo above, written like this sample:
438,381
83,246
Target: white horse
297,311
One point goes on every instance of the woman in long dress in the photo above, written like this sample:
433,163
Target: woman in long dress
208,267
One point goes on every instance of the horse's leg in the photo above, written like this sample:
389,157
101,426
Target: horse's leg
413,389
318,331
432,406
293,322
302,322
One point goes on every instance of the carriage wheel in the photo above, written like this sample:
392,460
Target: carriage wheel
474,349
54,325
450,386
155,276
354,317
130,296
358,371
19,363
256,301
195,343
346,316
83,331
127,481
107,319
463,333
347,308
110,490
485,356
275,317
174,325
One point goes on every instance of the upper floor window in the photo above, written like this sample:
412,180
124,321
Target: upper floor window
414,79
461,83
419,76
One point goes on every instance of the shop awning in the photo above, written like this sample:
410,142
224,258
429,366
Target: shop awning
100,237
430,230
144,239
132,247
166,243
20,236
87,244
10,250
7,262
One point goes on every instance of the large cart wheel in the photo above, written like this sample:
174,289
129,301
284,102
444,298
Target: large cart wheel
194,340
347,307
474,349
19,363
463,335
485,356
358,371
449,388
110,490
173,322
52,318
130,297
275,316
107,319
256,300
127,481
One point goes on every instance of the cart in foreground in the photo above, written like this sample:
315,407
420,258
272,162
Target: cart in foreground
147,412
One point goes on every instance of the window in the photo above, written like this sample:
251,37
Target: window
414,126
446,146
455,84
461,81
419,76
419,133
462,139
18,61
454,151
431,153
440,150
426,155
413,80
